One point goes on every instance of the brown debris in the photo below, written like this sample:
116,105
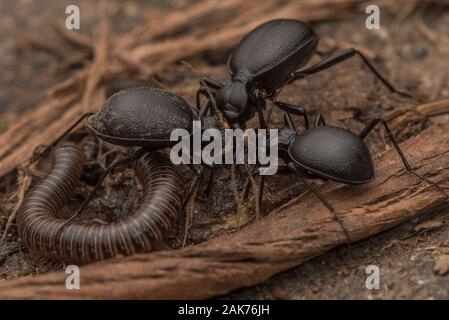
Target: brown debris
98,67
24,184
441,267
290,235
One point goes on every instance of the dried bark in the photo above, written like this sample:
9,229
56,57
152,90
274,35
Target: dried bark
292,234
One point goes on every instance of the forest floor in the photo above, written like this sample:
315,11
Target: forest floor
412,257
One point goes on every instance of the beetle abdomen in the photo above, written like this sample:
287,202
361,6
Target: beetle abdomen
141,113
333,153
273,50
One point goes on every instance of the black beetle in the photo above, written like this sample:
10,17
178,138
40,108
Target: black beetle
265,60
332,153
141,117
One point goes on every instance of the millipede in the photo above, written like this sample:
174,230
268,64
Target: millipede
44,232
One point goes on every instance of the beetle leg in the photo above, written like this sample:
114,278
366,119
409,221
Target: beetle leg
323,200
283,170
288,121
36,155
114,163
261,191
201,91
328,205
204,109
262,123
340,57
211,83
319,120
291,108
260,104
208,186
258,188
379,119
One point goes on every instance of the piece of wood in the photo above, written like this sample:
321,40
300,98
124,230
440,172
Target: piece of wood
292,234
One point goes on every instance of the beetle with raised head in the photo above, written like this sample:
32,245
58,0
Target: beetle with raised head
266,59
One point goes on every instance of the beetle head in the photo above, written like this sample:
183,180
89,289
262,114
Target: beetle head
285,137
232,99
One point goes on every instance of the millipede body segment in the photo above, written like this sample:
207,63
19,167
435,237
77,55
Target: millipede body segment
43,232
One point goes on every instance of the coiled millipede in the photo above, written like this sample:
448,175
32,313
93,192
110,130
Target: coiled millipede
43,232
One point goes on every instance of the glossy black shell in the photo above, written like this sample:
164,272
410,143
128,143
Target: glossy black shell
141,116
273,50
333,153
